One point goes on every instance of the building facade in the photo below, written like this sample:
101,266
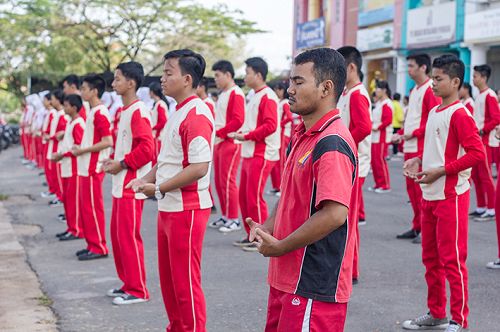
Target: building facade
387,31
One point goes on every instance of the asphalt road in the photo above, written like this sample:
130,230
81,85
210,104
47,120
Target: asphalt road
391,288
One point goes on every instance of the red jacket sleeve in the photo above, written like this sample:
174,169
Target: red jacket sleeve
61,124
491,114
287,115
267,120
428,103
162,120
361,125
102,125
470,107
142,142
77,138
386,117
464,128
51,117
235,115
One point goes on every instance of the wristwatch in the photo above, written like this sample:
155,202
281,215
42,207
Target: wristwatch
158,194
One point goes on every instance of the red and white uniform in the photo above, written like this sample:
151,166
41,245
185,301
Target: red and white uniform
183,214
47,154
229,117
159,117
286,119
487,117
91,176
469,104
355,109
381,138
71,188
452,142
37,130
420,103
312,285
57,125
135,147
260,152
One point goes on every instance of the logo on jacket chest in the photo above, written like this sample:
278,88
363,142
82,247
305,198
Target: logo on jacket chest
302,160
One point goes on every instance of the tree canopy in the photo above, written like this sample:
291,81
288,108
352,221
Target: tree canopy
51,38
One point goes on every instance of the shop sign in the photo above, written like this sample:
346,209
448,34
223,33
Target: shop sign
482,26
375,11
431,25
311,34
375,38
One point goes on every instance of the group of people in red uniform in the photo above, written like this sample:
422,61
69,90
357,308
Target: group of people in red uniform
319,130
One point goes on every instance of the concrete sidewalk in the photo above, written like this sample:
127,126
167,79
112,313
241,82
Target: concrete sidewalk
23,306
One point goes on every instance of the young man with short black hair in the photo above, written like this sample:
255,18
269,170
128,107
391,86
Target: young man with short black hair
180,182
92,152
71,85
311,242
487,116
355,109
133,155
229,117
261,137
451,147
420,103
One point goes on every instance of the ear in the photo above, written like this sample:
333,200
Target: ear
327,89
188,80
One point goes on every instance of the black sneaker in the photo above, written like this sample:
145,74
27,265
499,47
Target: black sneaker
243,243
411,234
355,281
361,222
128,299
55,202
90,256
81,252
475,213
59,235
213,210
68,237
115,292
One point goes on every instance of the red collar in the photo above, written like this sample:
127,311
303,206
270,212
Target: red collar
442,109
418,87
129,105
321,124
187,100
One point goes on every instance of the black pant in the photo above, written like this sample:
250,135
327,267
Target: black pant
395,147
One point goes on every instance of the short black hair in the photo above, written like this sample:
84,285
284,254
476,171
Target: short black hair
328,64
59,95
396,96
74,100
72,79
204,83
352,55
384,85
451,65
224,66
421,59
483,70
258,65
468,87
282,86
48,96
95,81
191,63
133,71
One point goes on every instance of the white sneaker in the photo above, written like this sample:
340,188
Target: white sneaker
231,226
382,191
217,223
494,265
454,327
487,216
128,299
47,194
426,322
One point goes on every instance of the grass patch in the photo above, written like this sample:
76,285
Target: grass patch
44,300
3,197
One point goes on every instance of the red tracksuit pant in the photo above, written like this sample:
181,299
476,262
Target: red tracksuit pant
280,165
444,252
497,214
128,249
355,264
180,243
71,200
39,151
293,313
379,166
415,196
92,209
49,175
227,157
58,183
483,183
253,178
